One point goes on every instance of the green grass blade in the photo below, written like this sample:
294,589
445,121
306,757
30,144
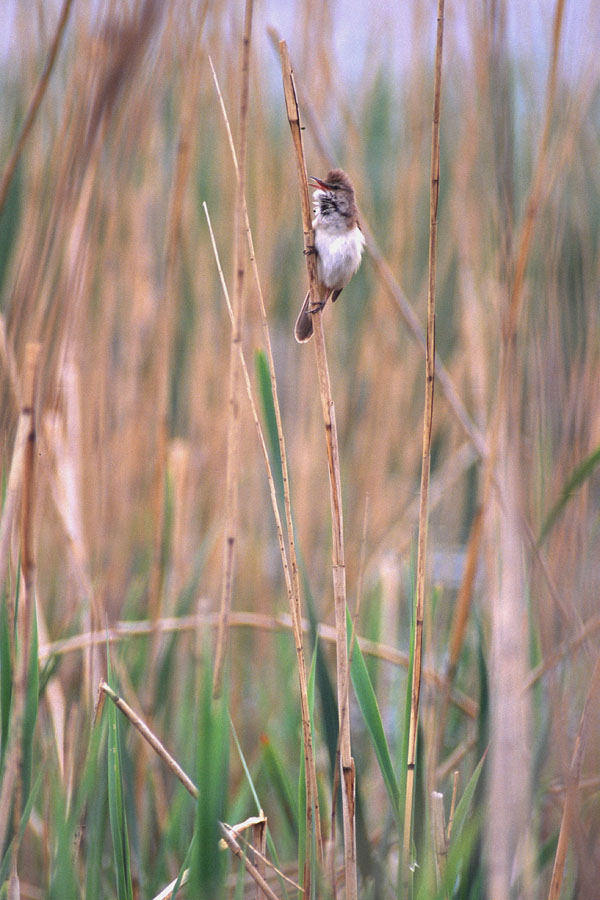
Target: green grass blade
207,870
578,476
369,708
184,866
5,679
464,805
16,841
268,407
116,805
259,807
404,754
31,707
280,782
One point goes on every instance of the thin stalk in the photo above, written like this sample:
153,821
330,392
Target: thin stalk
426,460
328,409
38,96
312,795
233,432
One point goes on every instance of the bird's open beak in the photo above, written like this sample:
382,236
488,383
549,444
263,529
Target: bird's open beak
316,182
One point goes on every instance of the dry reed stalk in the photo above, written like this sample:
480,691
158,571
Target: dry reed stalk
11,799
312,794
148,735
230,840
509,820
38,96
455,776
574,777
183,163
440,838
328,410
426,461
233,430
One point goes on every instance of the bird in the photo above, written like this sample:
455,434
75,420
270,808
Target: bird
339,243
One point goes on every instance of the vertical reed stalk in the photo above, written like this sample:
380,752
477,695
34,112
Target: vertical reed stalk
339,569
426,460
11,793
235,372
508,825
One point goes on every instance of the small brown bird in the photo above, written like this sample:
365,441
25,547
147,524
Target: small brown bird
339,244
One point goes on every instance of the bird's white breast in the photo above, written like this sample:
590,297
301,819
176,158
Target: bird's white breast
339,253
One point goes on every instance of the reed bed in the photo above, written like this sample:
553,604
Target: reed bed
175,666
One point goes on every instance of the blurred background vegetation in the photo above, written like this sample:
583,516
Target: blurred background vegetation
106,261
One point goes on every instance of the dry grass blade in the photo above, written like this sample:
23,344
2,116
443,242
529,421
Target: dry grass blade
233,432
426,460
339,570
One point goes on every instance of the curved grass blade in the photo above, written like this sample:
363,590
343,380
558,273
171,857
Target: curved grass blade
268,407
464,805
116,806
259,808
369,708
578,476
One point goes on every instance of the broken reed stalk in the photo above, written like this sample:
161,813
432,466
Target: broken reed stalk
312,795
426,460
138,723
233,430
38,96
339,571
11,793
